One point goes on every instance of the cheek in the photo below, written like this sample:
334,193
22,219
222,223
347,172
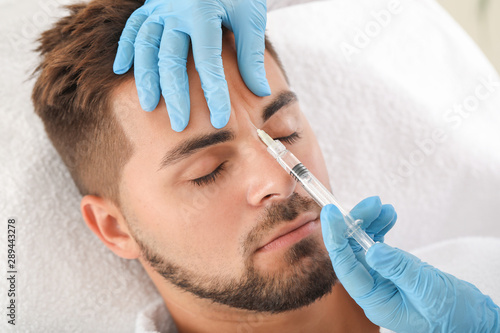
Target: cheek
200,224
188,226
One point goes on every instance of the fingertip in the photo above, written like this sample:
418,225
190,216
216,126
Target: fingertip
375,200
147,107
259,85
333,227
390,217
220,120
177,123
119,70
386,212
367,210
217,97
124,58
148,100
368,202
264,89
148,88
178,111
256,80
263,85
389,212
329,213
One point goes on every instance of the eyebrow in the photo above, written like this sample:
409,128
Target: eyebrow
283,99
191,146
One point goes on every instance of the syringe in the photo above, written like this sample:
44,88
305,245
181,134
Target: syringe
313,186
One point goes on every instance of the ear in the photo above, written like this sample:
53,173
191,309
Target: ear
107,222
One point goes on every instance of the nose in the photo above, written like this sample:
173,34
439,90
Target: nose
268,181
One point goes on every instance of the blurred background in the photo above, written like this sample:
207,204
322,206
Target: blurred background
479,18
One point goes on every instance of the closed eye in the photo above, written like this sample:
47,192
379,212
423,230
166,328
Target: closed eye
211,177
291,139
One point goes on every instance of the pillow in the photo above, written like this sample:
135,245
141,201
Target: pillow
376,87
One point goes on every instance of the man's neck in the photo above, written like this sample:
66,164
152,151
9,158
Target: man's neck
335,312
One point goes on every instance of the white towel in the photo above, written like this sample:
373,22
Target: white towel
367,114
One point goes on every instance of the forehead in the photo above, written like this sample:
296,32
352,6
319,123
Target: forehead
146,128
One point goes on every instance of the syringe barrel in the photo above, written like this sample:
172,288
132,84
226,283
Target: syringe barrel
321,194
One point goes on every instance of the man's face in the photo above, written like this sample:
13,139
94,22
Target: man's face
202,204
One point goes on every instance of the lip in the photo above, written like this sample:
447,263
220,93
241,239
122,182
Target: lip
292,232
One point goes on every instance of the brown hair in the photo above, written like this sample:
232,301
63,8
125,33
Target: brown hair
73,90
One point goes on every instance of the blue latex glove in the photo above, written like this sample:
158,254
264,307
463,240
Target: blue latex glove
395,289
159,33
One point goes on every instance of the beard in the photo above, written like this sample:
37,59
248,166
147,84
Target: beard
307,277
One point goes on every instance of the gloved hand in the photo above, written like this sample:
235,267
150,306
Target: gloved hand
159,34
395,289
